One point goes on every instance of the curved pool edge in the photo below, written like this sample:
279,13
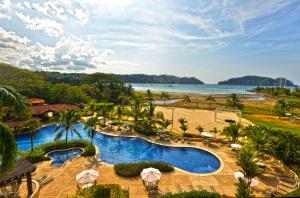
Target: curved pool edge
176,146
51,159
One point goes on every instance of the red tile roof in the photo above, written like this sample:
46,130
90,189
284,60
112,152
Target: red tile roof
35,101
39,110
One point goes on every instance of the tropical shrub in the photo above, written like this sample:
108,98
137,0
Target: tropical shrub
103,191
193,194
135,169
89,150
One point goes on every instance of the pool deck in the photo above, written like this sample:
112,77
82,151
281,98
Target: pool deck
178,181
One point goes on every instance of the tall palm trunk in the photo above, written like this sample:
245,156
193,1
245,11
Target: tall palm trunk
31,140
67,133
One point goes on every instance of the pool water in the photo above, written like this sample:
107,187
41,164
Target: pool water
115,150
60,157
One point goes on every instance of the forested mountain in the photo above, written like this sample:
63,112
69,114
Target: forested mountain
257,81
77,78
64,88
163,79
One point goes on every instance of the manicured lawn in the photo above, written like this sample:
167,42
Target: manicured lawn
273,122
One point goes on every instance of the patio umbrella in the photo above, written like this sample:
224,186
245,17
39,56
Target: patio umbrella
87,176
151,174
240,175
236,146
207,134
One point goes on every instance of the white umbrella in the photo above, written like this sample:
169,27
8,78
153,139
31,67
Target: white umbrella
87,176
236,146
101,118
239,175
254,182
207,134
151,174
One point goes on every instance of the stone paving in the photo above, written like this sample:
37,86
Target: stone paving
178,181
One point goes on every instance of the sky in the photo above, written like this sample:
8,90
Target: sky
212,40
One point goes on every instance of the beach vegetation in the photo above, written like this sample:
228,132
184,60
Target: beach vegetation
164,96
183,124
186,100
234,102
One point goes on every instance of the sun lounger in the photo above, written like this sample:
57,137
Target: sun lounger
46,180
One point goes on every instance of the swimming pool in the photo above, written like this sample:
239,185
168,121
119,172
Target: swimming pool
115,150
60,157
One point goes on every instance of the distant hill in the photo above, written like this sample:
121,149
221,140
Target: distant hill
162,79
257,81
77,78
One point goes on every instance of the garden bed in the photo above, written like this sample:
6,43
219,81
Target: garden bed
39,153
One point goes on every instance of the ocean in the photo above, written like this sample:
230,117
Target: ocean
198,89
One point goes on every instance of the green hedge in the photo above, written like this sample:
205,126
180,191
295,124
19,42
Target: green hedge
38,153
193,194
103,191
135,169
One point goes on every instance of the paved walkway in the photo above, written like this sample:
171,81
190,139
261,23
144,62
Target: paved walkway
178,181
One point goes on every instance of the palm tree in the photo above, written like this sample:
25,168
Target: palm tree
119,112
150,115
136,109
280,108
247,160
8,147
214,130
233,131
104,110
164,96
149,95
67,120
31,126
187,100
211,100
234,102
183,124
90,127
199,129
258,137
90,107
243,190
10,97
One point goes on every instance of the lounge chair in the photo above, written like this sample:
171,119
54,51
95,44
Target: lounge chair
45,180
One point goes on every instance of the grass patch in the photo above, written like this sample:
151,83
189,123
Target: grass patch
135,169
193,194
274,122
103,191
39,152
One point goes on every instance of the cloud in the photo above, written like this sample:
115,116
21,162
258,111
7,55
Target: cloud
50,27
81,15
5,9
51,9
70,53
